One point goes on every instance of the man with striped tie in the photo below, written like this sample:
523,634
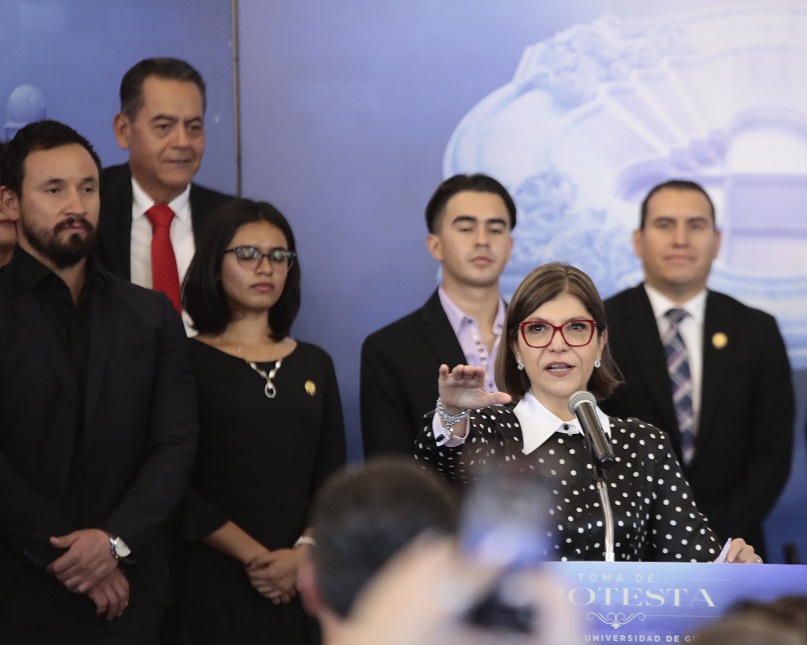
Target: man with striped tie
702,366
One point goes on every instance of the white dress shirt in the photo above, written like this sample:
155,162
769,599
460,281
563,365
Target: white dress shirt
469,335
181,234
691,329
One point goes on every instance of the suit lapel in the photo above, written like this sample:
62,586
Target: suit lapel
41,332
648,356
716,357
103,318
439,334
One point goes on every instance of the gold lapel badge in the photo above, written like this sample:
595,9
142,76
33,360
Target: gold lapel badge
720,340
310,388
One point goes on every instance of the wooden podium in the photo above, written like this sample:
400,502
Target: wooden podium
650,602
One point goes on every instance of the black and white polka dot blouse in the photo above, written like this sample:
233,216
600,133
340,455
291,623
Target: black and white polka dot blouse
655,517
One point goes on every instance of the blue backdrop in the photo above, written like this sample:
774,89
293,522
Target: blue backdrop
353,112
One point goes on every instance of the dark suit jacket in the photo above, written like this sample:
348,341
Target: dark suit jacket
399,365
745,429
115,222
139,429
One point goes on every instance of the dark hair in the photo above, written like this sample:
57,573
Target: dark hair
751,622
40,135
675,184
362,516
477,183
541,285
202,294
170,69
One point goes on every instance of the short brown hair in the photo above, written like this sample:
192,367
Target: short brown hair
541,285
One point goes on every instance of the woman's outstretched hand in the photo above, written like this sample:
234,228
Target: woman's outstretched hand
463,388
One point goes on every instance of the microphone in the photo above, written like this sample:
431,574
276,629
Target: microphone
581,404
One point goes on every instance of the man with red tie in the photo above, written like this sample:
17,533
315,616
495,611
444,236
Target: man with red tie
151,213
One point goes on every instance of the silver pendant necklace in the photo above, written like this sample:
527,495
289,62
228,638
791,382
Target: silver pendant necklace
269,389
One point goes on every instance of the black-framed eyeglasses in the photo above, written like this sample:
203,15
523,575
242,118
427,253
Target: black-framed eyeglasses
250,257
539,333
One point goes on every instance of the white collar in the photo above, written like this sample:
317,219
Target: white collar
538,424
142,202
661,304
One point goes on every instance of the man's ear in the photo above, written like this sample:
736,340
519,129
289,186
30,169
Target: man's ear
638,251
10,203
121,126
434,244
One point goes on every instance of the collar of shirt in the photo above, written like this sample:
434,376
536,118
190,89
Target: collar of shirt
141,202
457,318
538,424
469,336
695,307
32,272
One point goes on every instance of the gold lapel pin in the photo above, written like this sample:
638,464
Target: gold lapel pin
720,340
310,388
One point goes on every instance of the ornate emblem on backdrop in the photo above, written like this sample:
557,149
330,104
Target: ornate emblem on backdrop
615,619
25,105
598,113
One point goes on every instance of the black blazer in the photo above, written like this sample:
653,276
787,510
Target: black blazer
115,221
745,428
139,429
399,365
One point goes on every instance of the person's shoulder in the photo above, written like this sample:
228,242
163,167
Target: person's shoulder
114,178
139,298
116,172
213,197
312,352
620,297
393,332
635,428
737,308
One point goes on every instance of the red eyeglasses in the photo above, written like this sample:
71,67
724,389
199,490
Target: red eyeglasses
539,333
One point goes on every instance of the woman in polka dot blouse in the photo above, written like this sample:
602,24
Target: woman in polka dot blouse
557,339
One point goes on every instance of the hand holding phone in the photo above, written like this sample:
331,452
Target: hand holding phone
503,524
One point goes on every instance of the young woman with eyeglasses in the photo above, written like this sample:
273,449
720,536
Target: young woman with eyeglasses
271,430
557,342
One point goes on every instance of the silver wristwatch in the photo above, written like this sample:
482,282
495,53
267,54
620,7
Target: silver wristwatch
120,549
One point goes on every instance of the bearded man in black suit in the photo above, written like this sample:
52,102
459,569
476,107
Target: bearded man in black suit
97,414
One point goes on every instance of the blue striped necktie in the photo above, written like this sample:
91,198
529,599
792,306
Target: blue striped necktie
680,381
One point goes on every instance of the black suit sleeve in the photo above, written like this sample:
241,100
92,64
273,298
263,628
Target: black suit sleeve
769,439
28,519
386,425
163,475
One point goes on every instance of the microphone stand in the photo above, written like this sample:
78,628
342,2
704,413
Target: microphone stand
607,512
602,457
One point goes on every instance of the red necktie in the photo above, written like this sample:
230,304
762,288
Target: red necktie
164,273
